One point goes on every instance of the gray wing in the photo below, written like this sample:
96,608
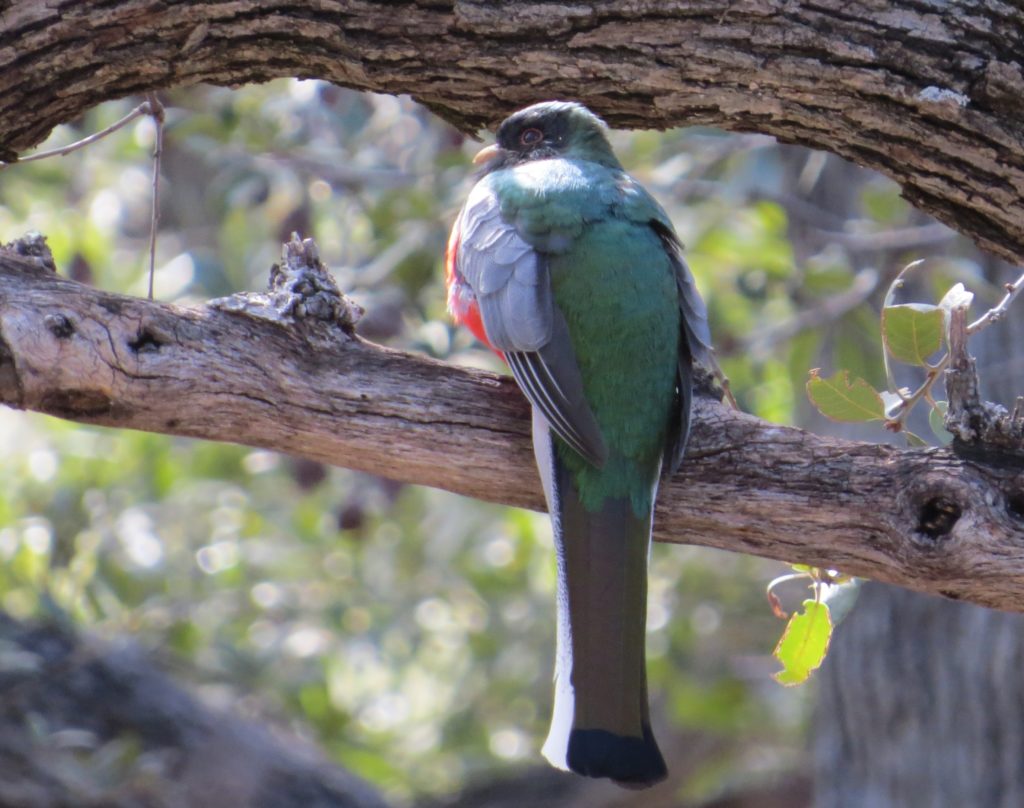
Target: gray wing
512,288
694,344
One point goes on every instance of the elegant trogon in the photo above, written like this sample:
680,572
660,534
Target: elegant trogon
563,264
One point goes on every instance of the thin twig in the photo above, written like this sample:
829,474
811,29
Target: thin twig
140,110
152,107
890,296
902,238
156,110
998,312
897,422
723,380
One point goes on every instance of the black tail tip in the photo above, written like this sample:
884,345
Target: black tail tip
629,761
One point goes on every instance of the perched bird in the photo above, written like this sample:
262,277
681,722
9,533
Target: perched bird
563,264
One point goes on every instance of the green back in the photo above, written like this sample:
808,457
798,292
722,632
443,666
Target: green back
614,282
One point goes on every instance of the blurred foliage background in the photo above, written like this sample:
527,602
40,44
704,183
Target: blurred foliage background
407,632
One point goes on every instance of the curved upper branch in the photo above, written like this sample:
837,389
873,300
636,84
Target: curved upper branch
932,94
925,519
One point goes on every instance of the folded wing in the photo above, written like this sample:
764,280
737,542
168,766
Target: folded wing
508,282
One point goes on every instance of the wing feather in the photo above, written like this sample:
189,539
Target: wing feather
694,345
511,285
541,386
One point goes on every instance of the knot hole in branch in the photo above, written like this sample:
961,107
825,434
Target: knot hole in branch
937,517
1015,505
59,325
145,342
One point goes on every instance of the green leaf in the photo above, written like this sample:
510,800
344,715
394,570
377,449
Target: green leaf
914,439
937,421
842,400
912,331
803,644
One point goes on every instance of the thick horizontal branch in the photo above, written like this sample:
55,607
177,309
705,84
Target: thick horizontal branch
929,93
69,701
925,519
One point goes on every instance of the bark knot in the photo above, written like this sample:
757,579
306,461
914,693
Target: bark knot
76,403
937,517
145,342
59,325
302,290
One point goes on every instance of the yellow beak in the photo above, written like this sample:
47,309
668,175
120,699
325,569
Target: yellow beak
486,153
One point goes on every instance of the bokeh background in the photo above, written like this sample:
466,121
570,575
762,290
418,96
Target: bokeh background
408,632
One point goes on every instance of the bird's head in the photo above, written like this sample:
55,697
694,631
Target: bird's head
546,130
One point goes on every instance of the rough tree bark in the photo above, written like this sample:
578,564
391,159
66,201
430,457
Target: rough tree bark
928,93
286,372
920,705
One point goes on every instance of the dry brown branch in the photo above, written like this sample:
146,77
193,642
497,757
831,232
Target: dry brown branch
927,93
289,375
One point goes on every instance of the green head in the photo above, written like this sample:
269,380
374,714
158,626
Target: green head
550,129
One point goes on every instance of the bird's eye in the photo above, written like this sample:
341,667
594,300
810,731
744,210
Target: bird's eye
531,136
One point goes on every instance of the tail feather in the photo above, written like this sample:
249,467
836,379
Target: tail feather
601,720
631,762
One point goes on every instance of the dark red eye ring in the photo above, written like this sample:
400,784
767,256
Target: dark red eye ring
531,136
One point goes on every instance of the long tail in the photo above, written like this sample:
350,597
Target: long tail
600,725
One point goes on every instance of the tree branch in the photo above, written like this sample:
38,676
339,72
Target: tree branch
929,94
73,704
285,372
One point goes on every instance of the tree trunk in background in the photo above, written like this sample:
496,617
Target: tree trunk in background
922,699
921,704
